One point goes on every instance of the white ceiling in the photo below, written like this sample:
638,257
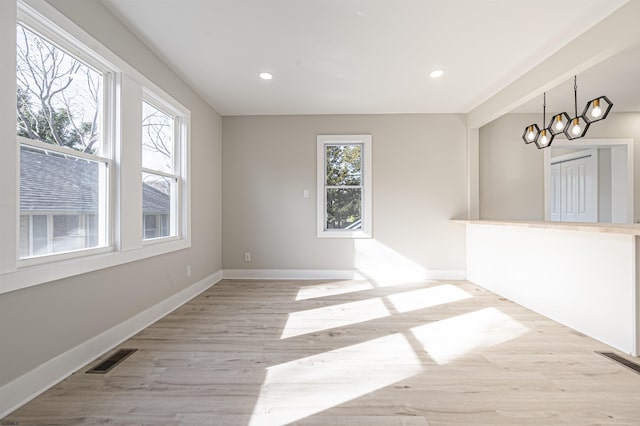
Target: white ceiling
359,56
618,78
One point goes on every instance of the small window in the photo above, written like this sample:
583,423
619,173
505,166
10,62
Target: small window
161,142
344,186
64,157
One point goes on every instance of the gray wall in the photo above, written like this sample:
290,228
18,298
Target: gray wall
419,183
512,173
41,322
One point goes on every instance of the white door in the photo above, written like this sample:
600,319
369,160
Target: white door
576,180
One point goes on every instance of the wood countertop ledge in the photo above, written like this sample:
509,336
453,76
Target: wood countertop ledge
611,228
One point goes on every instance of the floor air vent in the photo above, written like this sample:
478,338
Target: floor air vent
112,361
620,360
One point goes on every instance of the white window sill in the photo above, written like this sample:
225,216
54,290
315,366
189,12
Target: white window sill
29,276
344,234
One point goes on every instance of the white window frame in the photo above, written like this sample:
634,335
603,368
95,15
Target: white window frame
173,109
66,42
125,235
366,204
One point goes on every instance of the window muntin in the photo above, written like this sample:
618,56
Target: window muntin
64,164
344,186
160,171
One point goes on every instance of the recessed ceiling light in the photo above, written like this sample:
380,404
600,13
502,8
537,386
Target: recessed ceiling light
266,75
436,73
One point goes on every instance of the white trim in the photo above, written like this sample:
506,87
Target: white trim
36,144
159,173
586,144
31,261
47,272
163,102
635,300
28,386
126,233
446,274
180,217
366,180
326,274
291,274
42,28
573,156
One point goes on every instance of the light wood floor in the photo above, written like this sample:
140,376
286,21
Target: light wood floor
349,353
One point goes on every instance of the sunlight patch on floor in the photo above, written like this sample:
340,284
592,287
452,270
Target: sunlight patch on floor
427,297
306,386
332,289
328,317
385,265
452,338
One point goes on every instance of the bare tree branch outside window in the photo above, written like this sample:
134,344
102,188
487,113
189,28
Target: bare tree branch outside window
59,103
58,96
157,158
157,139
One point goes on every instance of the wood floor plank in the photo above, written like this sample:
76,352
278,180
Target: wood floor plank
430,353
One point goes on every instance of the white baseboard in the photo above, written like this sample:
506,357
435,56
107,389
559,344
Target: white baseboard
444,274
28,386
326,274
291,274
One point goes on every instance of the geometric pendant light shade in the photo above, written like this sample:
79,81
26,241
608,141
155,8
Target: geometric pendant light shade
530,133
597,109
545,137
559,123
578,126
572,127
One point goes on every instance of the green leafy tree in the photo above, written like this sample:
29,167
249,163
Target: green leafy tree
55,128
344,180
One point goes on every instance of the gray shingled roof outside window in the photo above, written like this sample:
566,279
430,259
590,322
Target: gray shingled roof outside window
154,201
50,182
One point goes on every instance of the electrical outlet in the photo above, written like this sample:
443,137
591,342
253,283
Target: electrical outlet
247,257
188,271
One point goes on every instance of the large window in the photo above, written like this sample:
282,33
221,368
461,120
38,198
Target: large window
99,173
64,156
344,186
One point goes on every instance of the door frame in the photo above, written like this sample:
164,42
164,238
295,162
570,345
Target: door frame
587,144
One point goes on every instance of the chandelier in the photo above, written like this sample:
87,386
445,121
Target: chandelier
573,128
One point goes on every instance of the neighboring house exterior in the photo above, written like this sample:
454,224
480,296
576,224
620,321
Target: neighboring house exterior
59,201
155,208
